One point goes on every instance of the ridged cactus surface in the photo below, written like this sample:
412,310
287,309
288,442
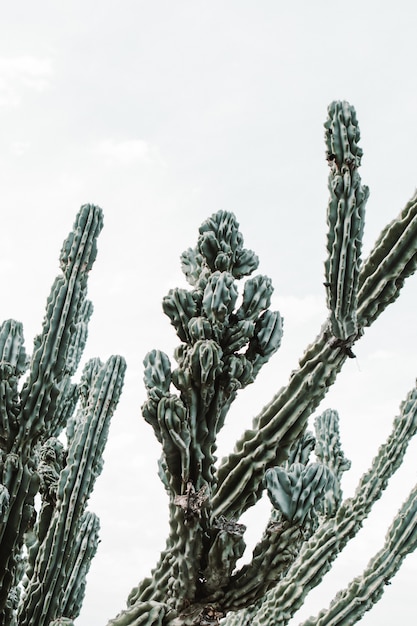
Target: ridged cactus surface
53,430
45,555
227,333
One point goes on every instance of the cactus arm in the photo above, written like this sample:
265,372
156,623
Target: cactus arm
224,345
363,592
21,483
328,446
61,332
319,552
329,452
355,299
100,389
345,217
392,260
12,348
297,490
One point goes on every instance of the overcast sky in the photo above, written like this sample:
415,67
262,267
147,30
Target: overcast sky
163,112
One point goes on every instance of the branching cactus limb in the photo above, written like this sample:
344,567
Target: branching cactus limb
59,559
284,535
13,363
32,419
392,260
318,553
363,592
13,472
225,342
59,347
278,547
345,217
83,550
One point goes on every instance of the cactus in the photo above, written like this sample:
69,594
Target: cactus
61,540
227,333
225,339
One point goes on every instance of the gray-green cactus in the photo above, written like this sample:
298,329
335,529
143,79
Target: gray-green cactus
227,332
62,538
345,217
225,339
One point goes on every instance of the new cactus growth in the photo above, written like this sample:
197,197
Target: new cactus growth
227,332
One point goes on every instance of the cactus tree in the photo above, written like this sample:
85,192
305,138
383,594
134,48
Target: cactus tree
227,332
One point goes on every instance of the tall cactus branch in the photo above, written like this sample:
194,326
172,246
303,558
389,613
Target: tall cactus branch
100,390
345,217
65,312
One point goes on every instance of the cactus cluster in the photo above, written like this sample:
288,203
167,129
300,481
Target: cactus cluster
225,340
45,554
53,431
226,334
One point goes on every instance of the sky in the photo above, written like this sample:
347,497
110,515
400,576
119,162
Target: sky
162,113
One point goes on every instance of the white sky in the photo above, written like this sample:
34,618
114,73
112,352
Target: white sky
163,112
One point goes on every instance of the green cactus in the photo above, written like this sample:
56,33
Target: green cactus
345,216
227,332
62,540
225,340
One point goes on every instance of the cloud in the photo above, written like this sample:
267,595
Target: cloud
20,73
125,151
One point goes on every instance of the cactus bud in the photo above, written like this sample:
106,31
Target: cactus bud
296,491
219,297
256,297
180,308
157,371
205,362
